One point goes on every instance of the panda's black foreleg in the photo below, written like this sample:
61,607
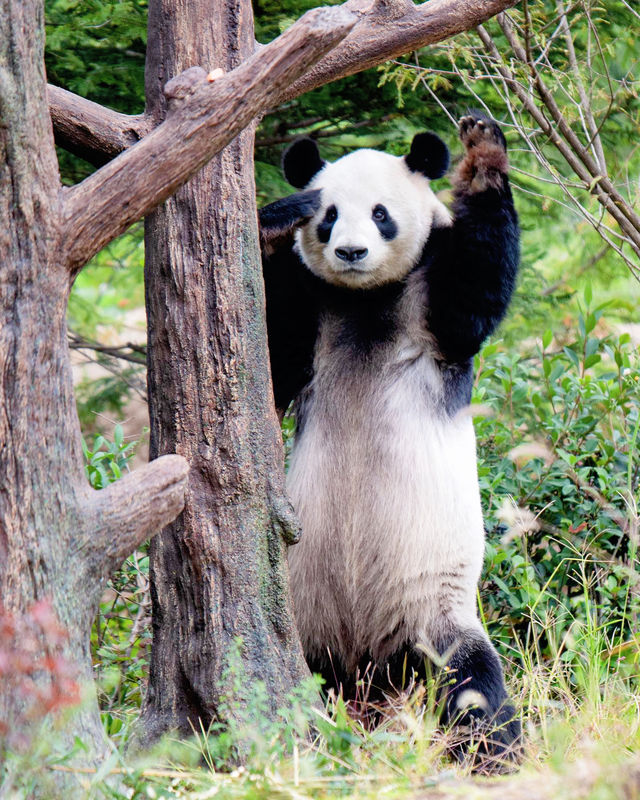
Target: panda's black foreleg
279,220
487,732
473,270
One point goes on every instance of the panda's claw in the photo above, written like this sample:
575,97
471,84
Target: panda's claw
475,130
464,123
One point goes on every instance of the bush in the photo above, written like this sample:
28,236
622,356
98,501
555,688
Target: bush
559,473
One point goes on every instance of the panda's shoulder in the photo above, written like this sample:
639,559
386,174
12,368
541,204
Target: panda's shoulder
435,247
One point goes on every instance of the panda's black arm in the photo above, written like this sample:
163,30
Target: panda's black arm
472,275
292,320
279,220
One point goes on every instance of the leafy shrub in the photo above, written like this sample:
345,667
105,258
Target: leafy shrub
106,462
559,473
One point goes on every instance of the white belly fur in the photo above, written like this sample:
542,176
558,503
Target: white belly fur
386,487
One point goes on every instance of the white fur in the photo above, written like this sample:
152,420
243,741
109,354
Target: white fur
355,184
386,486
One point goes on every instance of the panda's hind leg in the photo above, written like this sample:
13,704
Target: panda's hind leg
485,730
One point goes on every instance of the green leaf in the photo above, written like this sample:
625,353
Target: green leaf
591,360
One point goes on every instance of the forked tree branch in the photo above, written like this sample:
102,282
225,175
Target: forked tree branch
203,117
385,29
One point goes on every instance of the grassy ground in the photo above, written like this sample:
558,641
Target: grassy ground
580,713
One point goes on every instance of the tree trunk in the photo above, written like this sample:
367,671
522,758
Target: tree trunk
40,452
219,572
59,539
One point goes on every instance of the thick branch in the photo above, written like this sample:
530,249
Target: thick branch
203,117
129,511
386,29
391,28
90,130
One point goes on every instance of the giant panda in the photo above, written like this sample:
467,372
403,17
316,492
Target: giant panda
378,298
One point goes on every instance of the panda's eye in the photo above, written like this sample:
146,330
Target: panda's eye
331,215
379,213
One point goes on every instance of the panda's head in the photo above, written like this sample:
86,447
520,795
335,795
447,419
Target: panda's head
376,210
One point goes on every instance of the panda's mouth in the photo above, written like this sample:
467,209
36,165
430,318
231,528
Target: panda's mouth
356,274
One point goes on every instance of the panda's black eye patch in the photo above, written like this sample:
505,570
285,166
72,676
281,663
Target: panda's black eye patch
324,228
385,224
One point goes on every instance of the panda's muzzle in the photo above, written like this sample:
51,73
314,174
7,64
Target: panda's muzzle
351,254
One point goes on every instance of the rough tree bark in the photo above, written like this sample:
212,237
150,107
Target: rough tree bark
59,539
219,571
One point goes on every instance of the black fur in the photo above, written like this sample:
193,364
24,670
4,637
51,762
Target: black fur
471,271
384,222
290,211
428,155
478,114
279,220
301,161
474,667
325,227
292,325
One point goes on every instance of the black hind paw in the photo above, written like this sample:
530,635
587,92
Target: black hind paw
487,744
485,729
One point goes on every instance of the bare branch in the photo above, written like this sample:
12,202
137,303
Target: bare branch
603,187
134,353
585,102
129,511
594,182
332,129
90,130
203,117
386,29
585,267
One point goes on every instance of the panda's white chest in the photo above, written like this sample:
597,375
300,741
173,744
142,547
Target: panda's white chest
385,484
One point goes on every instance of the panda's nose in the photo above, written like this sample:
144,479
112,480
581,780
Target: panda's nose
351,253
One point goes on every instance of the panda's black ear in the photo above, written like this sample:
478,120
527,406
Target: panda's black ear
428,155
301,161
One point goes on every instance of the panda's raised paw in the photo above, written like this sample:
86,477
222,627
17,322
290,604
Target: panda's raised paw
279,220
476,129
